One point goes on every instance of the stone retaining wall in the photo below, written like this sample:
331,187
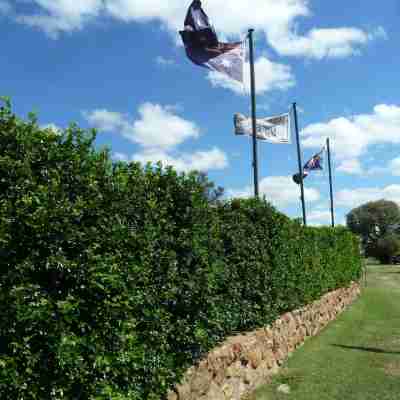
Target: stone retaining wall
244,362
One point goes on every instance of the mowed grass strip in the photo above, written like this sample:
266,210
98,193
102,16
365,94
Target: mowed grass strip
357,357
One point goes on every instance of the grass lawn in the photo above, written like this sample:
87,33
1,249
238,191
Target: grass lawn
357,357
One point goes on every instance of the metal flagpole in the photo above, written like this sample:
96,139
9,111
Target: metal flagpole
253,112
296,125
330,181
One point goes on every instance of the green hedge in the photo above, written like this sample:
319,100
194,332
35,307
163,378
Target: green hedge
115,278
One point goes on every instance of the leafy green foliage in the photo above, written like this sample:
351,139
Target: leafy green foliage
378,224
386,248
115,278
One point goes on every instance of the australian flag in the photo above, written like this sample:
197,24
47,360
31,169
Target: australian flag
204,49
314,163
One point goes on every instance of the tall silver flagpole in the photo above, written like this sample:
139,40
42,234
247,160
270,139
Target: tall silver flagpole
253,112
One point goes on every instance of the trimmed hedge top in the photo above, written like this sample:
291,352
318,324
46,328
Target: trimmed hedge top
115,278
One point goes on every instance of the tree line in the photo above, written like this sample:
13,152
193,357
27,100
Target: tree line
378,225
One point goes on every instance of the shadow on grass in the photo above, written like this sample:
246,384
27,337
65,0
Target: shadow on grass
369,349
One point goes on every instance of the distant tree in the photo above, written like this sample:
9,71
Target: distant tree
386,248
211,192
378,224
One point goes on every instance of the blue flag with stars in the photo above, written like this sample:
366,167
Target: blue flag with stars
314,163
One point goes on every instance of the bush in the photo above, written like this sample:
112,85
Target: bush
115,278
377,223
386,248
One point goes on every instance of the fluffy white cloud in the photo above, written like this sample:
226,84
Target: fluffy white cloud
55,16
321,43
351,137
279,190
277,19
158,132
391,168
169,13
355,197
213,159
108,121
351,167
319,217
158,126
269,76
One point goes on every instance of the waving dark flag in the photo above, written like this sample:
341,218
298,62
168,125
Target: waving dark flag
314,163
203,48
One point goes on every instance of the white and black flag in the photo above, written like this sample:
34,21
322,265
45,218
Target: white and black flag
203,48
274,129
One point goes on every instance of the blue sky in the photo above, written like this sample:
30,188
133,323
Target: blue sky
117,65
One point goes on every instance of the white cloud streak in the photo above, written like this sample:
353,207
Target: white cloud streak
213,159
158,127
56,16
355,197
351,137
281,191
277,19
319,217
158,131
351,167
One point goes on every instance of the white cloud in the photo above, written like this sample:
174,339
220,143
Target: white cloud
319,217
213,159
378,33
391,168
351,167
56,16
158,126
277,19
351,137
279,190
169,13
321,43
158,132
108,121
117,156
355,197
164,61
269,76
394,166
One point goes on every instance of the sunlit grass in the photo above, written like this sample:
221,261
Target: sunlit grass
357,357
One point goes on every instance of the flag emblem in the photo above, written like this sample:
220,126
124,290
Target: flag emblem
314,163
203,48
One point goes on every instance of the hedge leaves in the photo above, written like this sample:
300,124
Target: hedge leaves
115,278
